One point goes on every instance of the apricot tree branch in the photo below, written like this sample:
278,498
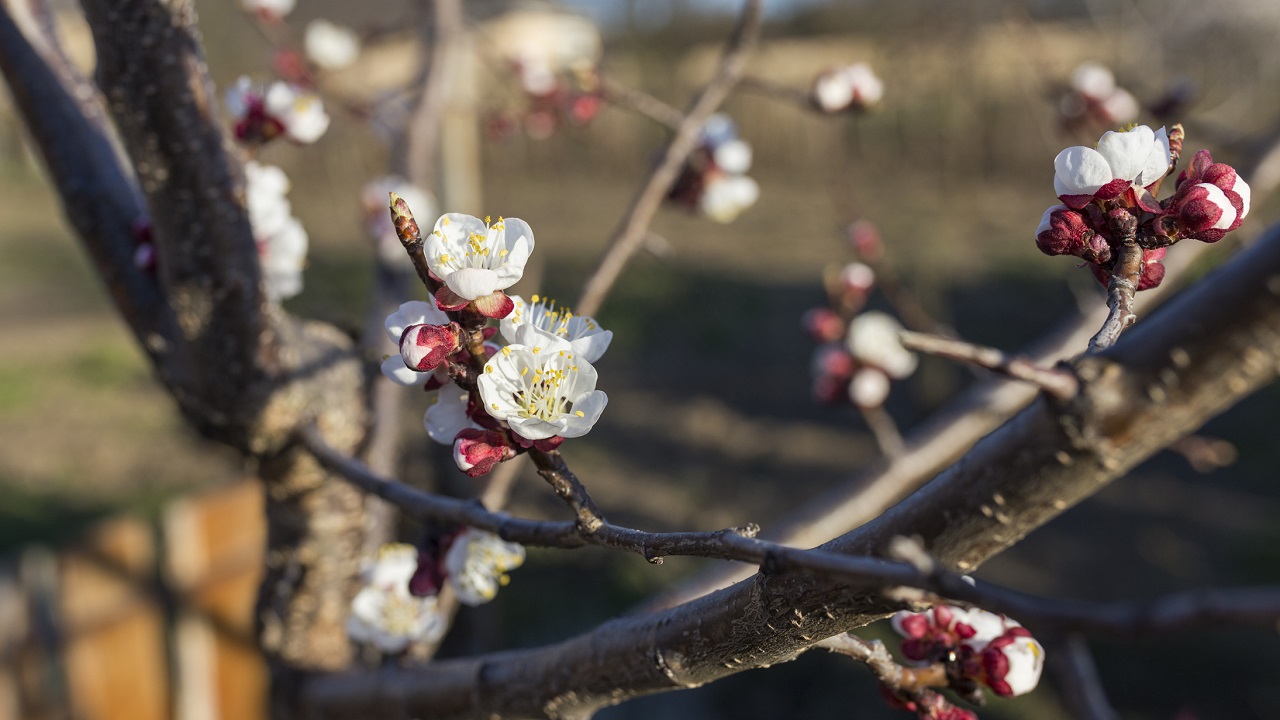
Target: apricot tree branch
631,232
640,102
1210,347
151,70
933,445
1059,383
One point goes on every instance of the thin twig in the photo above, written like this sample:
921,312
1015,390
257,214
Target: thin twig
800,97
876,656
884,429
1059,383
632,230
640,102
1072,664
1121,289
552,468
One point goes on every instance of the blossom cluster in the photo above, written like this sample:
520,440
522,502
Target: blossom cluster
398,603
1094,99
554,60
280,109
979,648
850,88
282,241
860,352
531,392
714,181
1108,195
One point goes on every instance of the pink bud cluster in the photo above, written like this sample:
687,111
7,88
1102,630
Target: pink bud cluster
978,648
1108,190
551,100
859,354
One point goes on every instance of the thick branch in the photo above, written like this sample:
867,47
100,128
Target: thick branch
99,196
632,231
1213,345
152,72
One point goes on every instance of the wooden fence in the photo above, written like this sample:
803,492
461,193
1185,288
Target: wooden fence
141,620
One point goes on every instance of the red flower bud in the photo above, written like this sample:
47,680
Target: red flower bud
823,324
1064,232
476,452
424,347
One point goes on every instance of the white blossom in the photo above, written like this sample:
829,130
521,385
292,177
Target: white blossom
585,336
873,340
282,241
1093,79
477,564
854,85
719,128
542,390
732,156
384,614
274,9
300,112
1120,107
725,196
331,46
1138,156
474,258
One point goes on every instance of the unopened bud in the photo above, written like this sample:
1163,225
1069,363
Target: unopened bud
476,452
402,218
864,237
424,347
823,324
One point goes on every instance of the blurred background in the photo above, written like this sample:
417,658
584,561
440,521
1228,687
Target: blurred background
130,544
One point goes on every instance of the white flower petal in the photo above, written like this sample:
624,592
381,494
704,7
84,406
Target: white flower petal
397,372
1093,79
472,283
1127,152
1026,661
331,46
414,312
734,157
593,346
1156,162
448,415
1079,170
1242,189
591,406
1045,220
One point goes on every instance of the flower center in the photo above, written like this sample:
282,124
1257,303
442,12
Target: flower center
561,321
480,250
544,395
